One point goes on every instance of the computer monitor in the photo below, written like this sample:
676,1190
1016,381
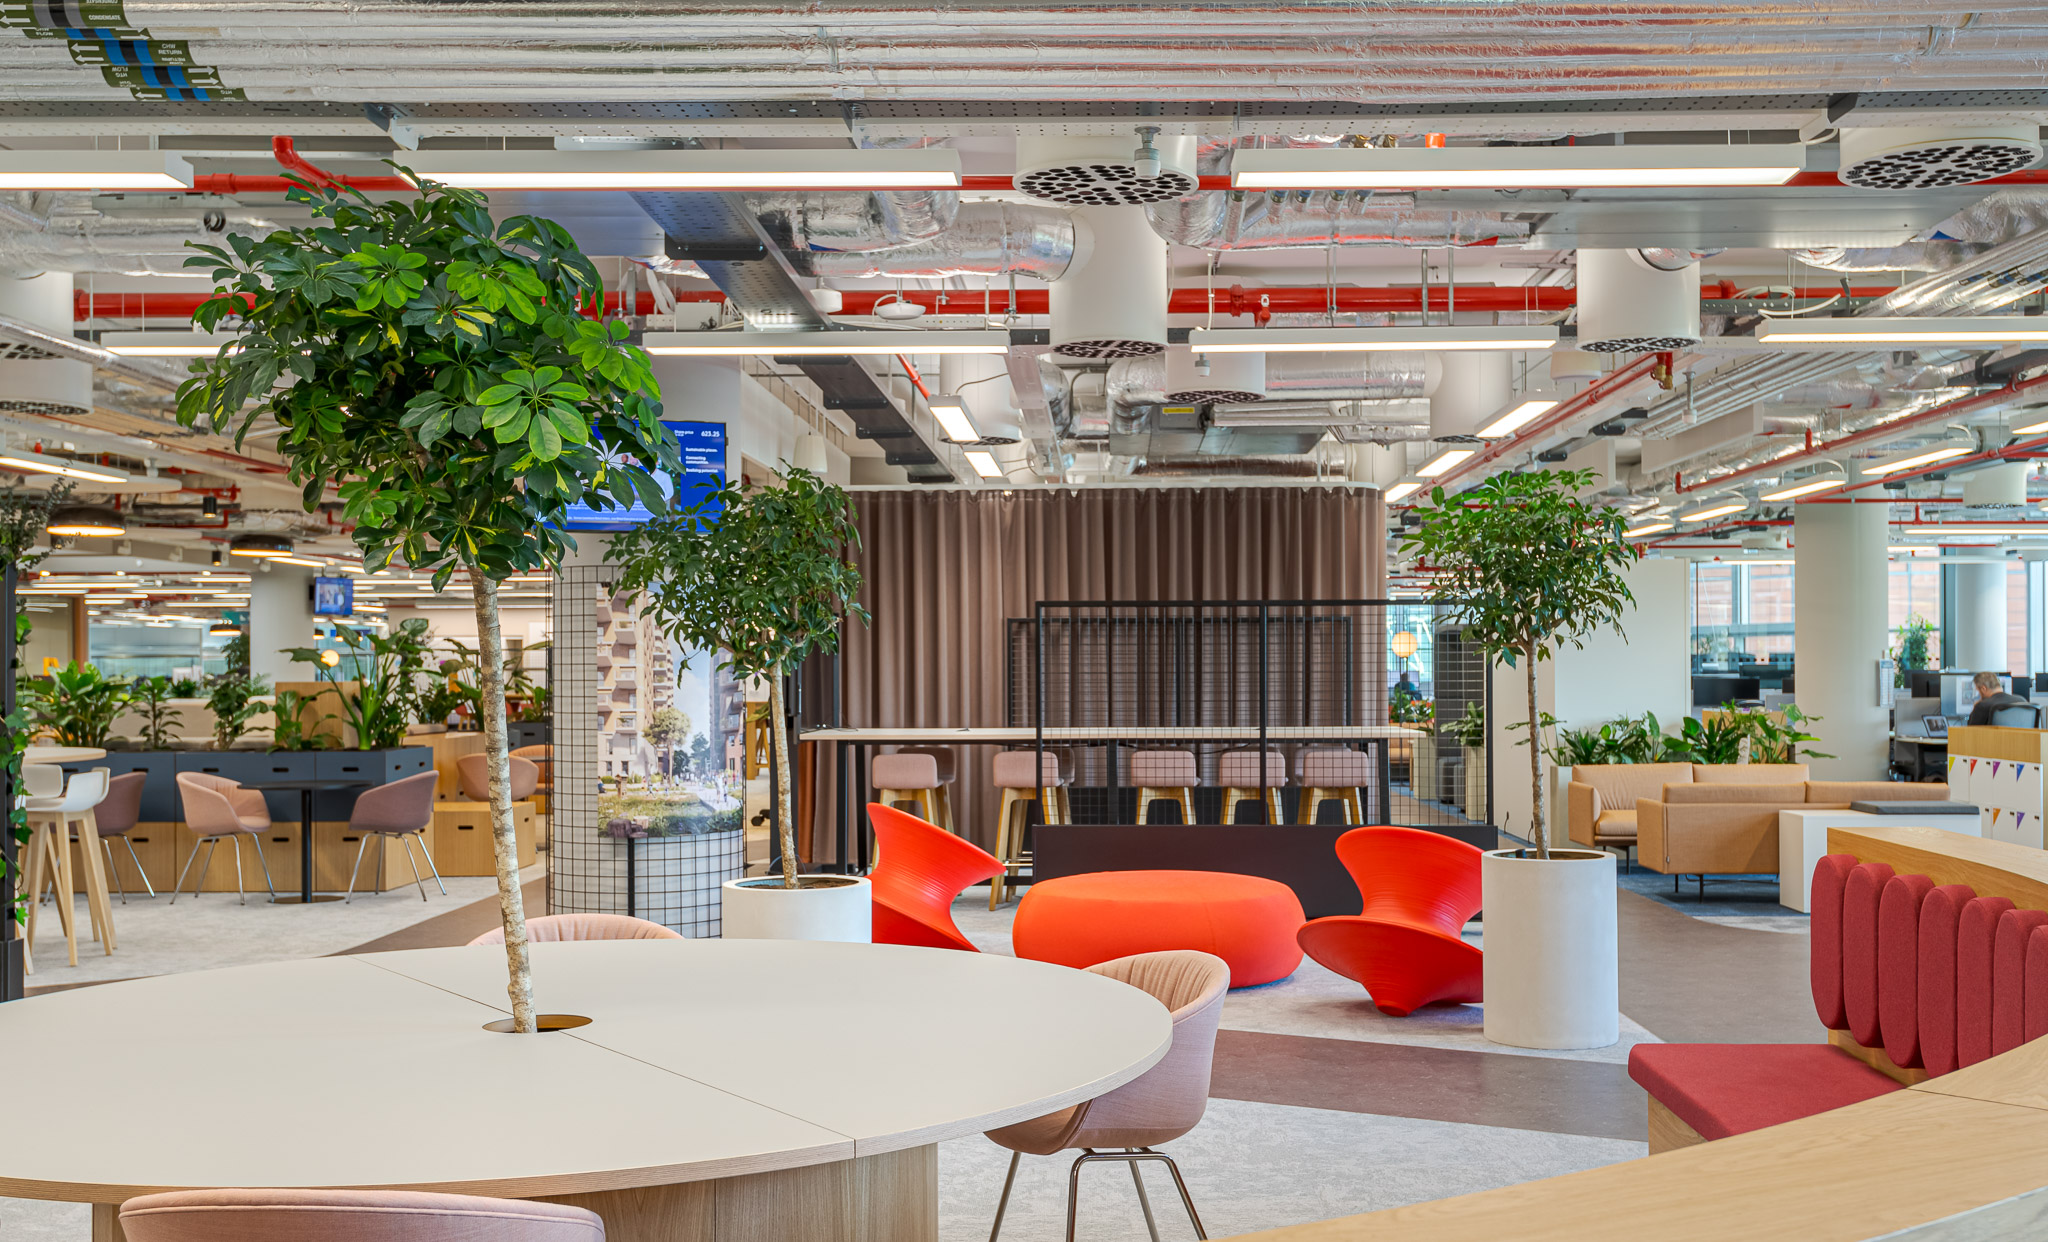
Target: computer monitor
1716,690
1923,683
2041,683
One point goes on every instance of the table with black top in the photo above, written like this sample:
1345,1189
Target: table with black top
307,786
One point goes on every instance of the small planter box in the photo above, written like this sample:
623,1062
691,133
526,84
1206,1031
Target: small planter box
462,837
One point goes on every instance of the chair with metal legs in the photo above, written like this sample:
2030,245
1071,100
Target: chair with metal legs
117,817
402,809
218,809
1158,1106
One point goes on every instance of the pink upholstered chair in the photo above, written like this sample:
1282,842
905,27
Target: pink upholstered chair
351,1216
1158,1106
218,809
117,817
549,928
910,777
402,809
542,757
475,774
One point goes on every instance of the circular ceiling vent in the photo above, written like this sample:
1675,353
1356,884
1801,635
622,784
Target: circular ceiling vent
1214,396
1104,183
1109,347
1928,159
1638,344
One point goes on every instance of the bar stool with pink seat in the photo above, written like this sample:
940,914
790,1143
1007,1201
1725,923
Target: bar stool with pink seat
1238,771
1168,776
1025,777
1332,774
919,870
474,772
351,1216
909,777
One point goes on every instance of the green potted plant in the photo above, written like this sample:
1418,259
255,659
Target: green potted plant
429,365
77,705
1914,648
24,512
150,698
763,579
235,699
297,727
380,706
1469,733
1526,566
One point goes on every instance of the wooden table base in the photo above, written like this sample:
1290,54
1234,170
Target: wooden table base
887,1198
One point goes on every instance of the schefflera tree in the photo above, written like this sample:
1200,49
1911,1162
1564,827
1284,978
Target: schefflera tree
430,365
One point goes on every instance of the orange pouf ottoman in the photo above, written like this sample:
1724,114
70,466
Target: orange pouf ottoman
1080,920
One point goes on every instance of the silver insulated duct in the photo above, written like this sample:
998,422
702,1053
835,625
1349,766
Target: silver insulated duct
985,239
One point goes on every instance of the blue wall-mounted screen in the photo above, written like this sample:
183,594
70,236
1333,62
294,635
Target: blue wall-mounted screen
702,446
334,597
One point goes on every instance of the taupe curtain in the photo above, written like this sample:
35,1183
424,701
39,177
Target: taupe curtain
946,569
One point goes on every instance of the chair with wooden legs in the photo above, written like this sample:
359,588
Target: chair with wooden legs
218,809
1025,777
948,765
908,778
1238,772
50,821
1168,776
1332,774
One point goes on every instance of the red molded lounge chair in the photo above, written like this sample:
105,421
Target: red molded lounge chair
919,870
1420,888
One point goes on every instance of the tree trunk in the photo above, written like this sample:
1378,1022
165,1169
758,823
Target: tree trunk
785,822
504,839
1542,831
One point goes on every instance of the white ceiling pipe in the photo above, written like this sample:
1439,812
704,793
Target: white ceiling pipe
1112,302
1996,487
1472,387
1629,304
51,380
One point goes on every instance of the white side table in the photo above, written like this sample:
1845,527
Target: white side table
1803,840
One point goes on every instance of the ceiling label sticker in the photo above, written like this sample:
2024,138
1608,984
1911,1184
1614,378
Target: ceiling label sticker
88,33
60,14
176,94
160,76
130,52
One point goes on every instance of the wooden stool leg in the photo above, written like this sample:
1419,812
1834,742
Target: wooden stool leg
995,884
34,862
946,809
1144,802
1230,801
929,800
1311,799
1354,810
1275,812
1186,798
1062,811
66,882
101,896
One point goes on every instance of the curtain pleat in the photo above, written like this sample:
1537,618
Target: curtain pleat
944,571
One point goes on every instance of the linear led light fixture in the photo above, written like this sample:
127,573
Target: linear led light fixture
1876,333
851,342
2001,532
1715,506
984,464
1513,421
952,415
94,170
1354,340
932,168
1408,486
40,464
1927,458
166,344
1821,481
1513,168
1443,462
1647,528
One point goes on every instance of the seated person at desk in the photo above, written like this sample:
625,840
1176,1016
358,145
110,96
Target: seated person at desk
1991,697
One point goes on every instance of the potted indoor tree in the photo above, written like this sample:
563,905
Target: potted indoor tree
762,579
1526,566
437,385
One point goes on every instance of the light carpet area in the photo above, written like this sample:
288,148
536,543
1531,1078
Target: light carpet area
154,937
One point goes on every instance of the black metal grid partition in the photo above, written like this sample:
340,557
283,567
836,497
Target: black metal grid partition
1097,680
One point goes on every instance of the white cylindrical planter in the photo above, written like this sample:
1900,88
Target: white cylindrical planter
825,907
1552,966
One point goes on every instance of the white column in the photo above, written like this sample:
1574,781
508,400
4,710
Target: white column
37,383
1979,637
280,616
1841,631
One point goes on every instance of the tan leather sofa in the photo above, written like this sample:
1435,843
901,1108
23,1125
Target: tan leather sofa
1717,827
1601,799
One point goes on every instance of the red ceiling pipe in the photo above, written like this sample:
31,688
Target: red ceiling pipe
1948,409
285,153
1648,366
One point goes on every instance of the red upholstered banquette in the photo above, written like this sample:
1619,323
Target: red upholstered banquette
1933,977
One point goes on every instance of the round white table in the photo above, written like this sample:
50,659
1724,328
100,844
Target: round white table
742,1090
62,754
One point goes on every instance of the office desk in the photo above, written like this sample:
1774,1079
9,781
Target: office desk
1923,758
